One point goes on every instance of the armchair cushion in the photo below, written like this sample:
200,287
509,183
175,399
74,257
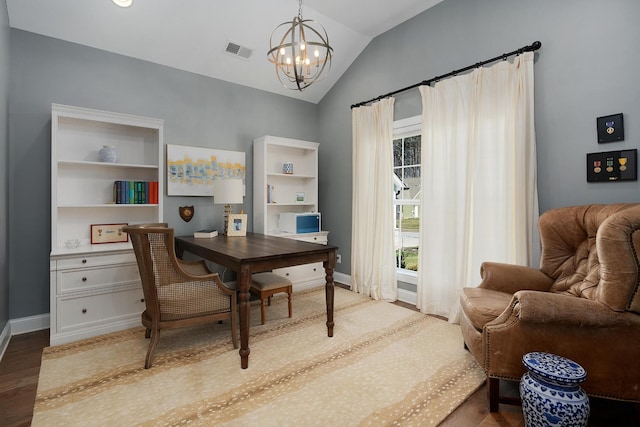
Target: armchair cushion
483,305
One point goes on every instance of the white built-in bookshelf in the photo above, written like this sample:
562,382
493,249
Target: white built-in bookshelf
276,192
95,288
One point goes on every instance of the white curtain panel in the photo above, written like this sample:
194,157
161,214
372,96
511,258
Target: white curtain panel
373,271
479,193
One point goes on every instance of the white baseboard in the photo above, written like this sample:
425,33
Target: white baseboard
409,297
5,336
342,278
404,295
29,324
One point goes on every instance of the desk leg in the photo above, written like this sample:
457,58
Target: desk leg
179,250
329,290
244,283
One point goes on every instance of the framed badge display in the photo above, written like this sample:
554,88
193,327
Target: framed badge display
610,128
612,166
108,233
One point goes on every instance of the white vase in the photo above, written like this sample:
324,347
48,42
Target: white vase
108,154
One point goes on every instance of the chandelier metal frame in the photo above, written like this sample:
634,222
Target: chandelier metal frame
303,54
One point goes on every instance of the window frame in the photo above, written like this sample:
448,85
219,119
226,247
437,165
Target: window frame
404,128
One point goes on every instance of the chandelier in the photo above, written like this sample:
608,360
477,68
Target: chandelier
302,55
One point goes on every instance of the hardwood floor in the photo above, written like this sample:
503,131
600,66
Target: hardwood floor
19,370
20,367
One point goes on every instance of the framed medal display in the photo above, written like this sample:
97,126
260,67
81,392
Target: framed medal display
612,166
610,128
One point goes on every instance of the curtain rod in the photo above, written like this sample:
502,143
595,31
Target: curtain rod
533,47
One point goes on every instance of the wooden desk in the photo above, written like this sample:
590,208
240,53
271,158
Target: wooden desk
255,253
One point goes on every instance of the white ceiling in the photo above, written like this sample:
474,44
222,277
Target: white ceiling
191,35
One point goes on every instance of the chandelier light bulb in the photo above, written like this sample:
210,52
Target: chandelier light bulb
123,3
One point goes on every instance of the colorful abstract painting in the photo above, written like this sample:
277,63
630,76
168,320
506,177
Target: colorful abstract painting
192,170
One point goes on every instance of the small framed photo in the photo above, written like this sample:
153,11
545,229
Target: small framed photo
300,197
237,225
108,233
610,128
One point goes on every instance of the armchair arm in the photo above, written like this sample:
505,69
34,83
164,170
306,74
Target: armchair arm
586,331
512,278
559,310
197,268
198,271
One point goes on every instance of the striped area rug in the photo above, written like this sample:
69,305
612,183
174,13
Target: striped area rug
385,365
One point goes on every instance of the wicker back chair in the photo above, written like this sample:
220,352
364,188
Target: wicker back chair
176,293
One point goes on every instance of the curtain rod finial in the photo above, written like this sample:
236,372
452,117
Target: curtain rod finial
536,45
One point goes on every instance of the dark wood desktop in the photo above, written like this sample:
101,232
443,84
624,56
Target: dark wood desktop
255,253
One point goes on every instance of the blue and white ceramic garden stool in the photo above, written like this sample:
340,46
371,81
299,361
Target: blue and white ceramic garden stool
551,393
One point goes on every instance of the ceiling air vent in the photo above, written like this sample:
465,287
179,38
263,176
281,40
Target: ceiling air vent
235,49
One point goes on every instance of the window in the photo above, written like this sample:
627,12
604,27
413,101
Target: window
406,167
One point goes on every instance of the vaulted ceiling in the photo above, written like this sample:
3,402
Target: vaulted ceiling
192,35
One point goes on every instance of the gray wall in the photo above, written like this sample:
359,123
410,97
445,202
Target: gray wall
197,110
586,68
4,154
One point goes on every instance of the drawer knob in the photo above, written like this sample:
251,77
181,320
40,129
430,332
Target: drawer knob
84,310
314,269
84,261
315,238
141,299
84,279
286,274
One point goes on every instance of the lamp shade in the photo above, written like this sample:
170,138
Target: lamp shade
227,191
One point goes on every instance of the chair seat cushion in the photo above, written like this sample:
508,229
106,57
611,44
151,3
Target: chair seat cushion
483,305
268,281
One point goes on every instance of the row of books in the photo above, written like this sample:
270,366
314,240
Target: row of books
135,192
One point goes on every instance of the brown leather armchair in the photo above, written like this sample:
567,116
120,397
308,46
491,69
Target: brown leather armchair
583,303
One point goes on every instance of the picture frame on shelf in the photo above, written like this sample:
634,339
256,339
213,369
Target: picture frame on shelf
300,197
108,233
237,225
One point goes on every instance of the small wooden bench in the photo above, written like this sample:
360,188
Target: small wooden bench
264,285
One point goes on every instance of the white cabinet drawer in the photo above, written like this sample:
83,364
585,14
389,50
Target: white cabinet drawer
85,311
90,278
313,239
305,272
95,260
321,237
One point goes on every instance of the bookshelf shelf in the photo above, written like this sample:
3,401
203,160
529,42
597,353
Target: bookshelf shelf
291,176
95,288
298,205
69,163
108,206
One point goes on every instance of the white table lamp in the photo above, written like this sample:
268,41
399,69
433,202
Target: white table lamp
227,191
